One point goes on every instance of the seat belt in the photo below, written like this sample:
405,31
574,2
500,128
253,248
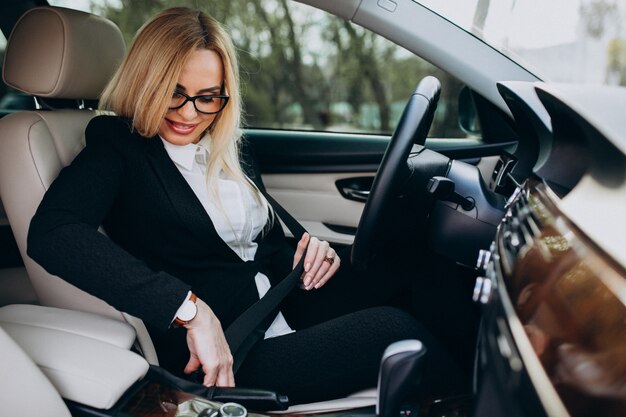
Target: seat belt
250,326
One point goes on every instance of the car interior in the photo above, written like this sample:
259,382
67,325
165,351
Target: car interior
514,241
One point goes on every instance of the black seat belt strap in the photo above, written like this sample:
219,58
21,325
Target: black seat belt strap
250,326
292,224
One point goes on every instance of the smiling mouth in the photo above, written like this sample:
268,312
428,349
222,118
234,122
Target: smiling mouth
181,128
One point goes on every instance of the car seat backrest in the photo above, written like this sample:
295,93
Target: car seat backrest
54,53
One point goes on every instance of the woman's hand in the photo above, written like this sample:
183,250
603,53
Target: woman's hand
208,348
320,263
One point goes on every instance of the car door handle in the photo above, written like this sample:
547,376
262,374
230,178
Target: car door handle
355,188
358,195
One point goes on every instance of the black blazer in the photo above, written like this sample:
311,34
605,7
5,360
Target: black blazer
162,242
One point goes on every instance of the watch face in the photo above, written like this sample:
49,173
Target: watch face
188,311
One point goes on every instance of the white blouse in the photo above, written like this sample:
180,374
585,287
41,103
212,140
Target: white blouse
238,221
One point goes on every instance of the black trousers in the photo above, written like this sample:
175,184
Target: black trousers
342,330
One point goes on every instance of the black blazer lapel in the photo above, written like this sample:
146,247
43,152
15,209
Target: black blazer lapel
190,210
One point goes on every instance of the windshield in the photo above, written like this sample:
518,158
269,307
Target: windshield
557,40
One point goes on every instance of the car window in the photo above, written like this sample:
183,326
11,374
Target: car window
304,69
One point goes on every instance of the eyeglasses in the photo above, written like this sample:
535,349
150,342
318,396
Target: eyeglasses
205,104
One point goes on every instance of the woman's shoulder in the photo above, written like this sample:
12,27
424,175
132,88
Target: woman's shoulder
112,130
109,123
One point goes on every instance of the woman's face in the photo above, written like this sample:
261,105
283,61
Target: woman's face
201,75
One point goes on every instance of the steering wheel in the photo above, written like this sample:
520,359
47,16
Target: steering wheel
412,128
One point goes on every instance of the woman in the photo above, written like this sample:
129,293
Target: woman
191,239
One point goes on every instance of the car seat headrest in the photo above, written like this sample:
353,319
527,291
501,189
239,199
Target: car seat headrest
62,53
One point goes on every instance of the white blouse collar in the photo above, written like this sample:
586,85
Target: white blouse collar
185,155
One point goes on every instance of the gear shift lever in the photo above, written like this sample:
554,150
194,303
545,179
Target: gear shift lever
401,364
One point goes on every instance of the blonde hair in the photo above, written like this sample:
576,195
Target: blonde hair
142,86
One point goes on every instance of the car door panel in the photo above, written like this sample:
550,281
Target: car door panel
301,170
316,202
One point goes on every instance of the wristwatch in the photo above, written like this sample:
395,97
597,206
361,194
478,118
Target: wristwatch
187,311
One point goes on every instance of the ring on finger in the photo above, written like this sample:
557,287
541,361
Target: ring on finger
329,259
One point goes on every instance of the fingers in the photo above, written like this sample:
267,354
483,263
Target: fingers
319,265
311,262
192,365
220,375
317,269
208,348
210,374
226,378
300,249
315,255
327,270
214,374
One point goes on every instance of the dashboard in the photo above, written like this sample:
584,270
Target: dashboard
552,284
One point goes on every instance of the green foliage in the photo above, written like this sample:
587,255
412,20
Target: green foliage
616,61
302,68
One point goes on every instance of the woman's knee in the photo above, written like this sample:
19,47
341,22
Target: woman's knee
390,323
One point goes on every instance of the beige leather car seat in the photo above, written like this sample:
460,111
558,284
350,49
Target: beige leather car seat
63,54
25,390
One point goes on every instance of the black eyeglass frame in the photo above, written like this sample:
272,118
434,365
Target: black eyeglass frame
194,98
